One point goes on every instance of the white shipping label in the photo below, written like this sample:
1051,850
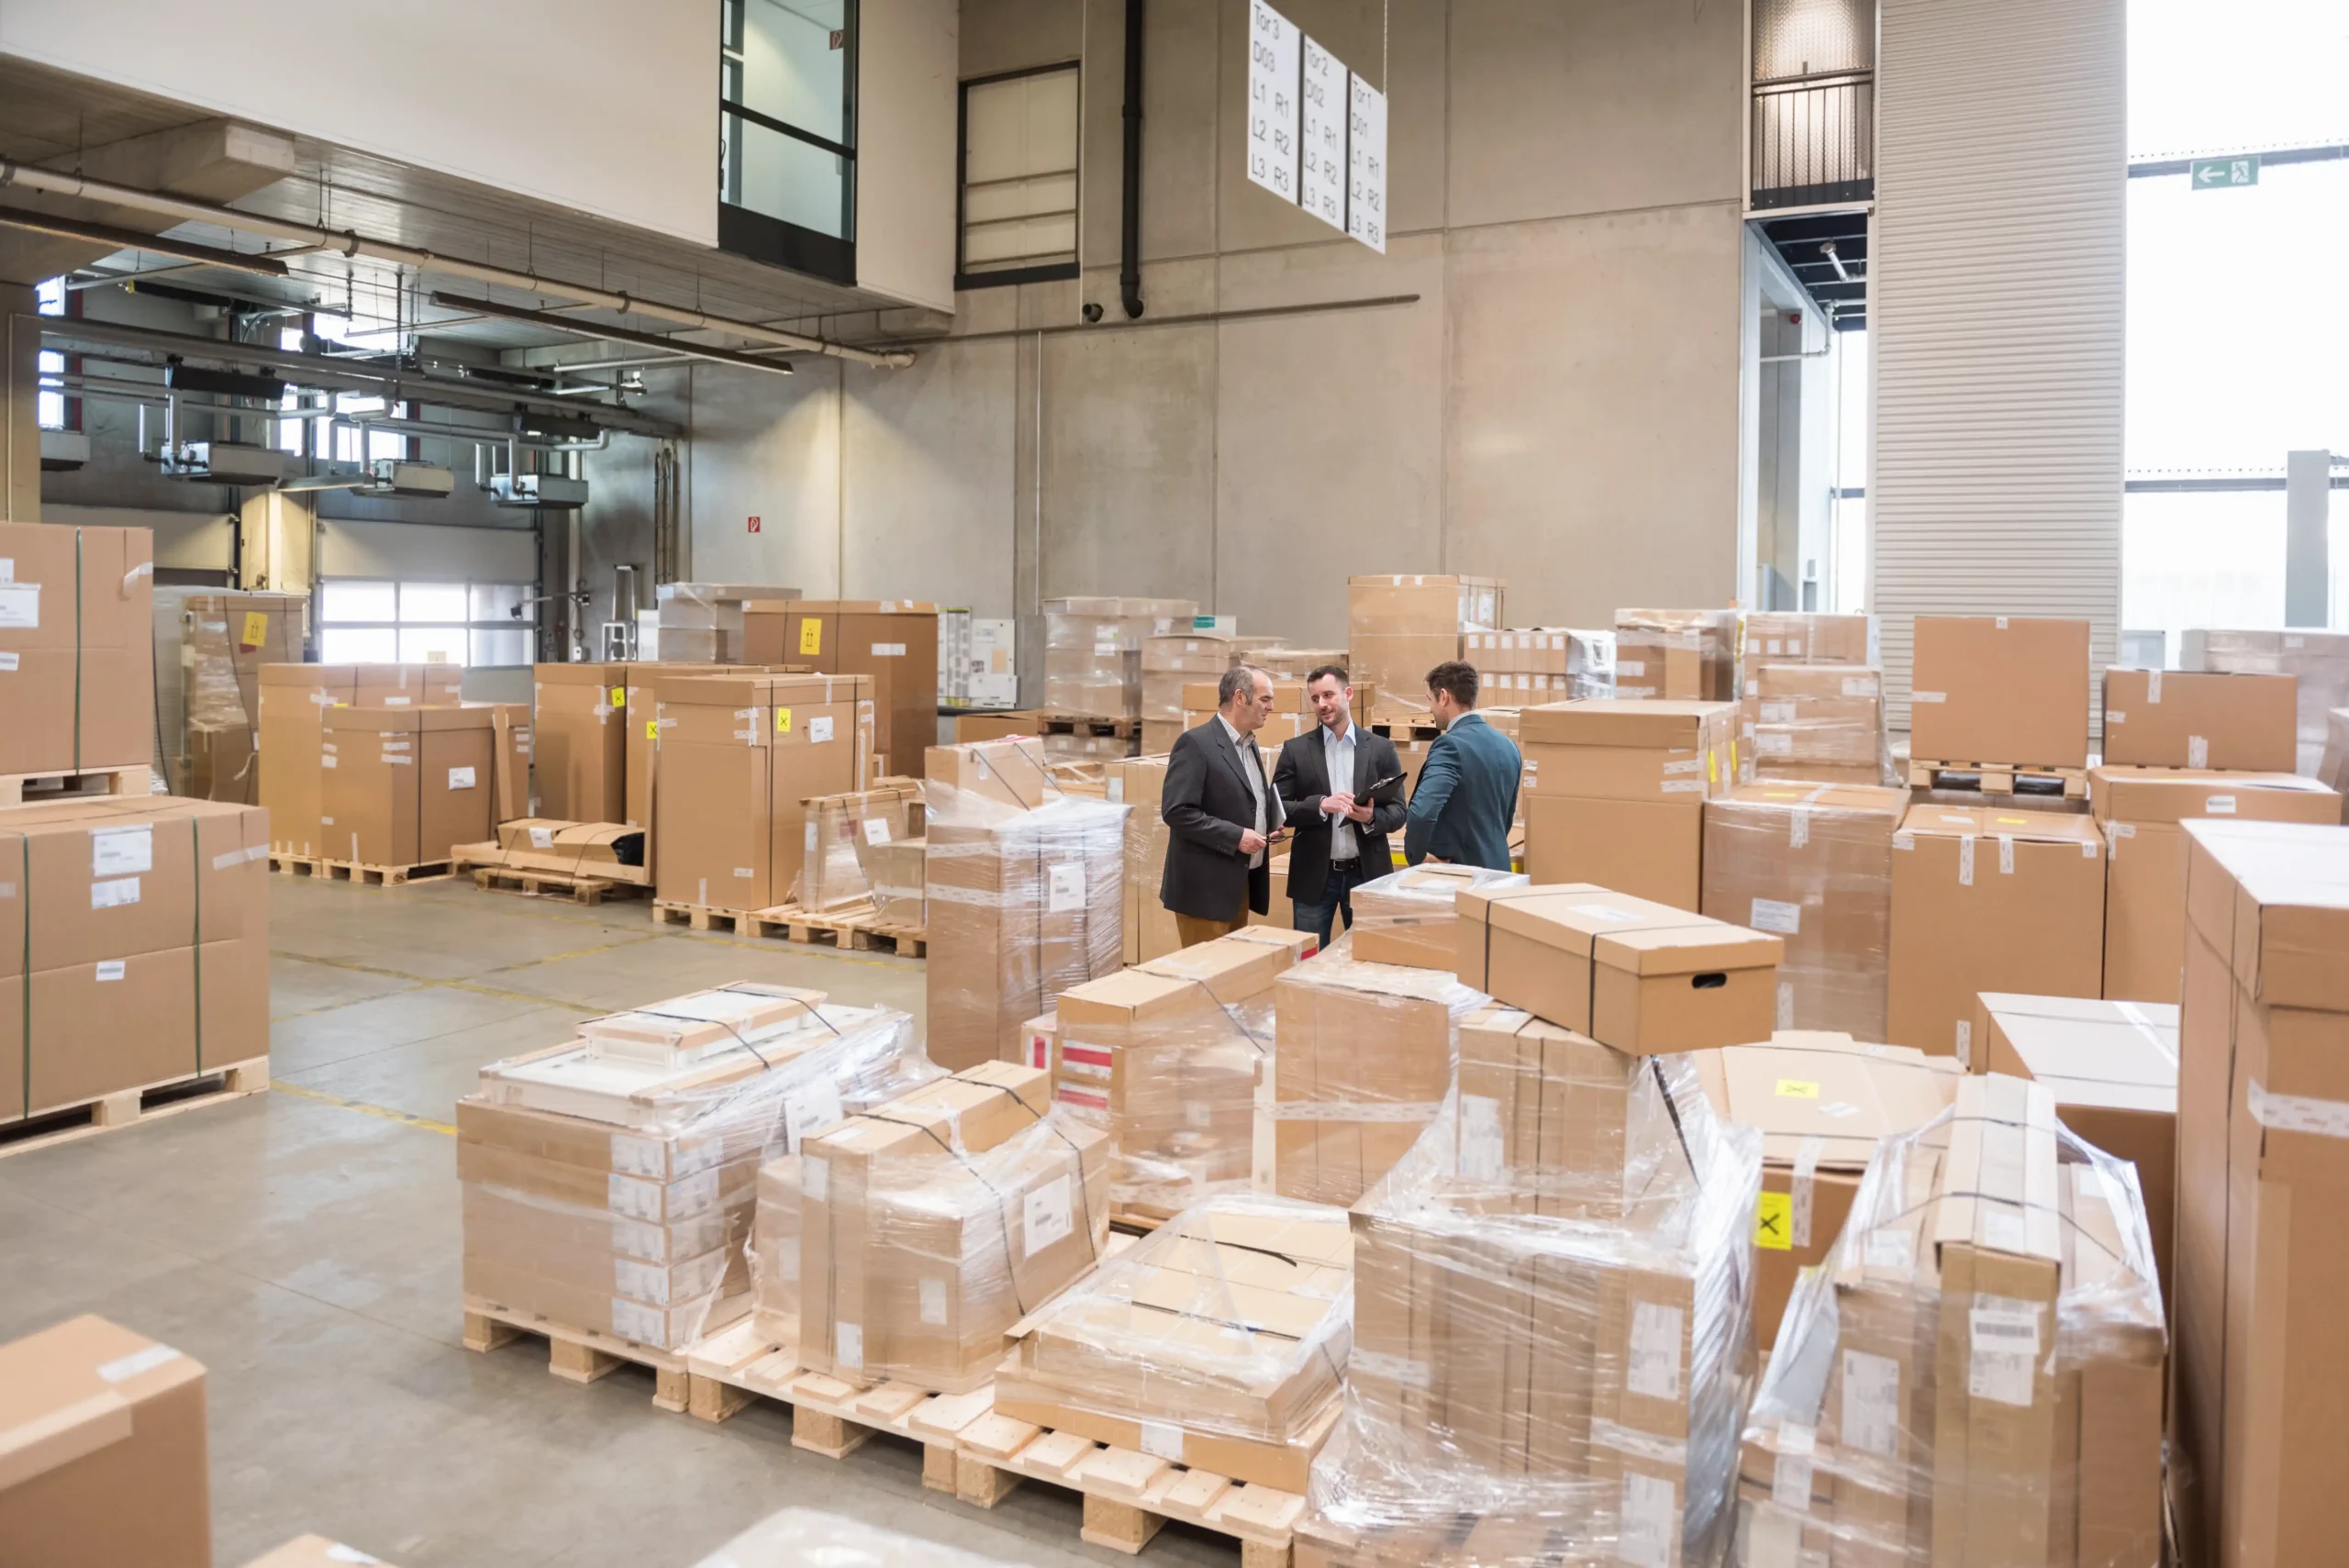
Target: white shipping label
7,569
1790,1479
1651,1522
815,1179
2154,689
632,1199
1685,766
640,1282
461,778
1116,793
809,1109
1683,786
2006,854
1480,1137
1798,827
1655,1351
119,851
2003,1231
637,1156
1045,1214
1965,862
1928,696
8,661
19,607
1891,1250
1965,1043
645,1325
876,829
1635,668
326,761
1065,887
848,1344
114,893
1872,1402
1162,1440
1859,686
542,838
1777,712
110,969
889,650
2005,1350
128,1367
2197,750
933,1302
2114,716
1774,915
819,730
1774,745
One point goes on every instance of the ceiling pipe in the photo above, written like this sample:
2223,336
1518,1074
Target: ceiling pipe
612,334
132,239
1130,228
350,243
155,395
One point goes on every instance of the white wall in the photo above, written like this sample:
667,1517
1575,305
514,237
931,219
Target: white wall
424,552
606,105
906,112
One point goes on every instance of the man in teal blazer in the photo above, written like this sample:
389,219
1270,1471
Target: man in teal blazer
1467,790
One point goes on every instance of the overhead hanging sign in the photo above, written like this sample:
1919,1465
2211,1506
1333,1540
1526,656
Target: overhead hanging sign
1317,132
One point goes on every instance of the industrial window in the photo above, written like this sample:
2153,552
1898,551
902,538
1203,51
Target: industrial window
787,134
377,621
1018,202
52,408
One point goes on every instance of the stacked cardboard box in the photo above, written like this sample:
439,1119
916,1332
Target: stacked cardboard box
1410,916
2172,719
1989,900
2112,1069
740,754
1805,636
701,623
2142,812
77,639
208,684
1552,1331
1292,714
1975,1377
105,1455
2261,1183
1093,652
895,875
1615,791
1219,1342
602,849
1284,663
2317,660
1675,655
1149,927
1529,665
134,946
892,641
1173,1061
580,729
609,1180
1399,628
1179,659
1813,864
298,700
402,786
1824,723
1365,1059
1026,892
931,1228
842,830
2000,689
1823,1103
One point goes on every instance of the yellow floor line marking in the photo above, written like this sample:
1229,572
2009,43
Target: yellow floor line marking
382,1113
476,988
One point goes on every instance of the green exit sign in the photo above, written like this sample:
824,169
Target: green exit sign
2213,173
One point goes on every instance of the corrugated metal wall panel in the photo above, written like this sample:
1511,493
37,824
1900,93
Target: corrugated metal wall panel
1996,309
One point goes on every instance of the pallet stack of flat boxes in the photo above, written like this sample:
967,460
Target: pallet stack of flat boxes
1675,655
1615,791
2318,662
1976,1375
1399,627
701,623
1811,699
1093,648
1552,1330
1170,666
208,684
1526,666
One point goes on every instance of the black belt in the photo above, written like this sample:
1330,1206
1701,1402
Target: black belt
1350,861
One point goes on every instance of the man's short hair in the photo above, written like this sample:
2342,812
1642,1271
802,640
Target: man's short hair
1237,679
1337,670
1457,678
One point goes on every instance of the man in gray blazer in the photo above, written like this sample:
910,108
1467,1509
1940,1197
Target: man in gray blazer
1223,814
1467,792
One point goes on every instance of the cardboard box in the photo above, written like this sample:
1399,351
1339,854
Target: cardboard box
98,1415
1639,976
571,848
1803,637
407,686
894,874
1822,723
314,1552
294,702
208,696
2260,1339
1093,652
2112,1069
2172,719
1812,864
1408,916
2000,689
702,622
580,725
1989,900
1400,627
1823,1103
2318,661
77,636
841,830
2141,810
1675,655
1615,791
892,641
2333,767
1551,1110
405,786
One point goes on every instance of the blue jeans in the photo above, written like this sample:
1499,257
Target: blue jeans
1336,892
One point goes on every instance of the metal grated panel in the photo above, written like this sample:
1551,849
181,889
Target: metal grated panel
1812,38
1996,317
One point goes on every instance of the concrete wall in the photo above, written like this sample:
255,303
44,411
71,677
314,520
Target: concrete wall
1560,404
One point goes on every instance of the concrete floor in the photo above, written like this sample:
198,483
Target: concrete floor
304,1245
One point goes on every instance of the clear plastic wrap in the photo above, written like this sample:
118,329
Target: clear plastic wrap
1364,1061
609,1181
893,875
1400,627
805,1538
1552,1354
1219,1342
1808,637
1171,1060
1026,890
1676,655
1812,864
1538,664
839,829
1093,649
932,1225
2318,660
572,849
1408,916
1824,723
1976,1374
1169,662
208,692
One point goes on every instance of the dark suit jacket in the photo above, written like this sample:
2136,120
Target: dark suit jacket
1302,777
1466,797
1207,803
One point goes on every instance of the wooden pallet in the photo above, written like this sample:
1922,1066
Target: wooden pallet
579,1355
1082,724
128,1108
1412,731
852,931
1999,778
19,789
738,1366
579,888
354,871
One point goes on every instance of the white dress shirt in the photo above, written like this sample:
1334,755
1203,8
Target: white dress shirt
1251,763
1338,757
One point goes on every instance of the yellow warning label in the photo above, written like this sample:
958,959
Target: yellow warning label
1713,766
811,635
256,629
653,729
783,718
620,696
1774,1215
1798,1089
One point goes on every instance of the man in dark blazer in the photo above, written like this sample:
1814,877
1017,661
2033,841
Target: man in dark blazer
1344,788
1223,814
1467,790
